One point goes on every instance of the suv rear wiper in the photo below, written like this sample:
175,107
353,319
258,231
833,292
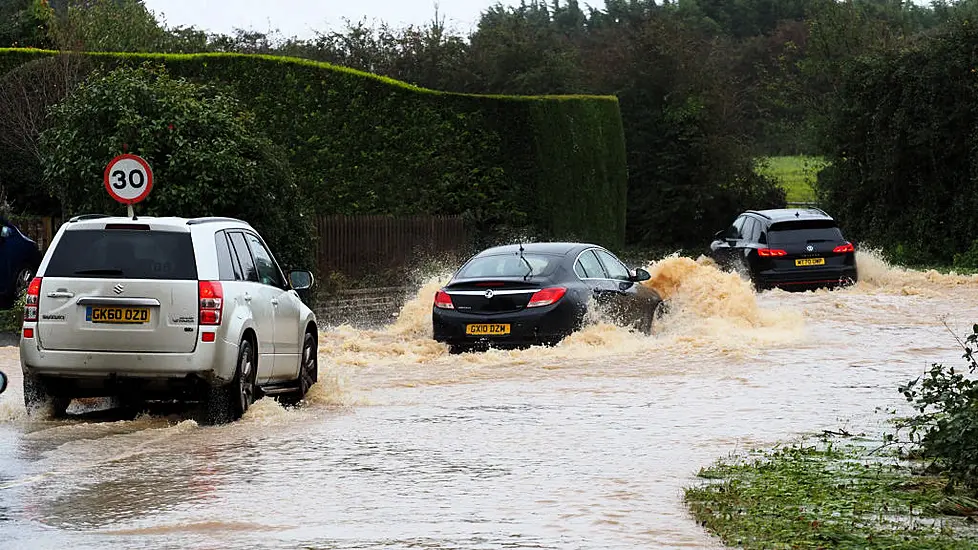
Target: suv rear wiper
99,272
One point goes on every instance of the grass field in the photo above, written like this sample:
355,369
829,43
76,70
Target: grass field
797,174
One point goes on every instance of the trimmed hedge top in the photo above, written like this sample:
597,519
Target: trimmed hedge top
365,144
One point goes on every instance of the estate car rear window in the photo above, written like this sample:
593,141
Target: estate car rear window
508,265
125,254
804,231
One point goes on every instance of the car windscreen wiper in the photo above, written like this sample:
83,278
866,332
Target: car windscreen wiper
99,272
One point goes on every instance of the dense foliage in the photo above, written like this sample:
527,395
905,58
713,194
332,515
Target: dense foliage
705,87
207,153
904,174
359,144
946,428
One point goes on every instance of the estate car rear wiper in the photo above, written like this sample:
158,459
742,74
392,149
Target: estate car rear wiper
99,272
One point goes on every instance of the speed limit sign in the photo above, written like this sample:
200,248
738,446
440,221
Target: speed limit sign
128,179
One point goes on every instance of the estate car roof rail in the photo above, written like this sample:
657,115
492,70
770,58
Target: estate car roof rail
85,217
215,219
761,214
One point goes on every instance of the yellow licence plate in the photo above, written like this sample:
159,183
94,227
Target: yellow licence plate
117,315
487,330
809,261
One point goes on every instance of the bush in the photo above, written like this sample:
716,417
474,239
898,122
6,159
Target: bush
362,144
207,155
902,139
946,428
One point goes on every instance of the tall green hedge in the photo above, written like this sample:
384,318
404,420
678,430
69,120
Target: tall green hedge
904,148
363,144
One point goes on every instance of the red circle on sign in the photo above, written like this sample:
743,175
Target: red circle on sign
148,183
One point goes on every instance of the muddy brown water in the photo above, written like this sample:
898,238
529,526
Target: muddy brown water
586,445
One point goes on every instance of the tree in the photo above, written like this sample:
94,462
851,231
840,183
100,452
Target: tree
24,23
207,155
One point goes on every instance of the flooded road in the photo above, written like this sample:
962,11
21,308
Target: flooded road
586,445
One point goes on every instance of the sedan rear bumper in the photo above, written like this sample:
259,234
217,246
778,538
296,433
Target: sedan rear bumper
544,325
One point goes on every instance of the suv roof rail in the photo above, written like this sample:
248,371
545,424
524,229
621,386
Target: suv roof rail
85,217
214,219
761,214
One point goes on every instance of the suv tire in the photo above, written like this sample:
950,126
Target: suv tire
39,402
229,402
308,372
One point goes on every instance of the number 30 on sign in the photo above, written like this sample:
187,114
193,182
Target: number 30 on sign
128,179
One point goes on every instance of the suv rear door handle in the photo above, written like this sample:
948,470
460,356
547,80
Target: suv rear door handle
60,295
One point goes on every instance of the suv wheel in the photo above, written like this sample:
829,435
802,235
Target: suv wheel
308,371
39,402
229,402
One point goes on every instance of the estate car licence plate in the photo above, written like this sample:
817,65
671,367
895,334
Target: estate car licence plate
117,315
809,261
487,330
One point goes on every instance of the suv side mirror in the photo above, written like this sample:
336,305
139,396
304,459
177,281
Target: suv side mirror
3,382
640,275
301,280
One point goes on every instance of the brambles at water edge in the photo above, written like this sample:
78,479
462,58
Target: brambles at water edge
829,495
945,430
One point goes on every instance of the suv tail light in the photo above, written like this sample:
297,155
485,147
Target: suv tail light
443,300
844,248
771,252
547,296
211,302
33,300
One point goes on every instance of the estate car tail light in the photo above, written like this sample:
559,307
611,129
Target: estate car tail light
33,299
771,252
844,249
443,300
547,296
211,302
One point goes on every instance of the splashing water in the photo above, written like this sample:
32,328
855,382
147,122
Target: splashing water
876,274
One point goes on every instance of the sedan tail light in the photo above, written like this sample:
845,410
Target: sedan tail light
770,252
33,301
547,296
211,302
443,300
844,248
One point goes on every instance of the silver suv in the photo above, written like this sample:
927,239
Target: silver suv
165,309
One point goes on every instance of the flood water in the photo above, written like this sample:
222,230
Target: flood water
586,445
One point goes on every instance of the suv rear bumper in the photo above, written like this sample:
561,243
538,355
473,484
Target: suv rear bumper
806,278
210,362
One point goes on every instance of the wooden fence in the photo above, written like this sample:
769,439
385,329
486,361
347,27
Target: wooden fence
39,228
360,245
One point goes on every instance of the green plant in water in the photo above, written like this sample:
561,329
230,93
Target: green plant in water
946,428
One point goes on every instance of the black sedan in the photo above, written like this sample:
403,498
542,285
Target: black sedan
522,295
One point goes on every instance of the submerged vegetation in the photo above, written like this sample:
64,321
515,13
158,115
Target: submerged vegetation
830,495
918,491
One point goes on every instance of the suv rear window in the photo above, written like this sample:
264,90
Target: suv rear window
804,231
125,254
508,265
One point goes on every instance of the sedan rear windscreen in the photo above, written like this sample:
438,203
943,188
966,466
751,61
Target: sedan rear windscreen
124,254
508,265
804,231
